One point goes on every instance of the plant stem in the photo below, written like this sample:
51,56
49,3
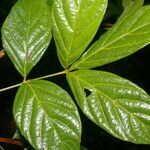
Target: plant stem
52,75
47,76
10,87
11,141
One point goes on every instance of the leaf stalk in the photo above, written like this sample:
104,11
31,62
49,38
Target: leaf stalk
39,78
10,87
52,75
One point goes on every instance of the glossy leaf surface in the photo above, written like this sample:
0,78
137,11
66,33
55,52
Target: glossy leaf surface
47,116
115,104
26,33
75,22
124,38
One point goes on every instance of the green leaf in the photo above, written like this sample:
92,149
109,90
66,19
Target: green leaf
134,3
26,33
130,6
124,38
50,4
115,104
74,26
47,117
126,3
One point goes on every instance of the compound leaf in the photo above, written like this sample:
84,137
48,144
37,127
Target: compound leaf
126,37
26,33
75,22
115,104
47,116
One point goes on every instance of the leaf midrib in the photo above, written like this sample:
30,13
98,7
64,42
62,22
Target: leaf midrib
131,114
27,40
105,116
51,119
75,26
104,47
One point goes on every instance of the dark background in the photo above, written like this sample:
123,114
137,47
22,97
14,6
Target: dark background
135,68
